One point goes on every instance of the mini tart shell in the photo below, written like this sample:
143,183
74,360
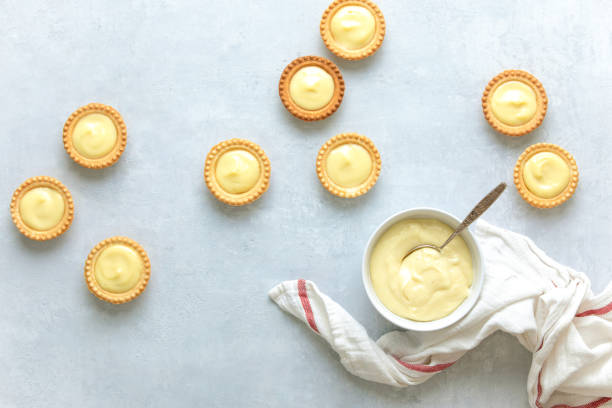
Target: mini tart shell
111,297
111,157
210,166
532,198
527,79
361,53
61,227
339,140
295,109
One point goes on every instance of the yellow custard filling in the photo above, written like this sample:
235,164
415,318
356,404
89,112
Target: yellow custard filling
353,27
311,88
94,135
237,171
349,165
546,174
42,208
427,285
118,268
514,103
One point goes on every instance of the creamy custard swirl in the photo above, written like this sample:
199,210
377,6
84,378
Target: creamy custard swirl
427,285
311,88
118,268
514,103
546,174
94,135
349,165
42,208
353,27
237,171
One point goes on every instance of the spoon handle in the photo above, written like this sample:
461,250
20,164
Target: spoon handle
480,208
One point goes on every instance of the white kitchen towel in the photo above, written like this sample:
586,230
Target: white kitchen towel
549,307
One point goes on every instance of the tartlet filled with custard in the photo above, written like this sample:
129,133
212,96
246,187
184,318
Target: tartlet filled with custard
42,208
237,171
353,29
514,102
546,175
311,88
95,136
348,165
117,270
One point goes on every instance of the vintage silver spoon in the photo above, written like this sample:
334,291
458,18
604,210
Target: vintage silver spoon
480,208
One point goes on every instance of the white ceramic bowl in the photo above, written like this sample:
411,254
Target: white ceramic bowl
477,281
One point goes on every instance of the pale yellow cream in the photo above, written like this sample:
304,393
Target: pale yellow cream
348,165
427,285
94,135
237,171
353,27
514,103
311,88
546,174
118,268
42,208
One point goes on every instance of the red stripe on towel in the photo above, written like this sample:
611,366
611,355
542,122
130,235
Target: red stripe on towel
302,292
425,368
600,311
537,401
593,404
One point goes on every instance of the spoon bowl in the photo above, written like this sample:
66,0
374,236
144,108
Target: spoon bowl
482,206
422,246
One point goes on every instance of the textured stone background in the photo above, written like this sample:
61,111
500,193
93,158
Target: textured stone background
187,74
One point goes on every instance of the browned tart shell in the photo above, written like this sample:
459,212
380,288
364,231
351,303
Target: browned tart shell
295,109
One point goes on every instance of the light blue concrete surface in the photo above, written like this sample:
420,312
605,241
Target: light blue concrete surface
187,74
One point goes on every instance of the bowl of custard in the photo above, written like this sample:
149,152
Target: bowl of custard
427,290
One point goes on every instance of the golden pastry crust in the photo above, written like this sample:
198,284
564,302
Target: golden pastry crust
61,227
339,140
370,48
111,297
541,101
111,157
260,187
295,66
530,197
